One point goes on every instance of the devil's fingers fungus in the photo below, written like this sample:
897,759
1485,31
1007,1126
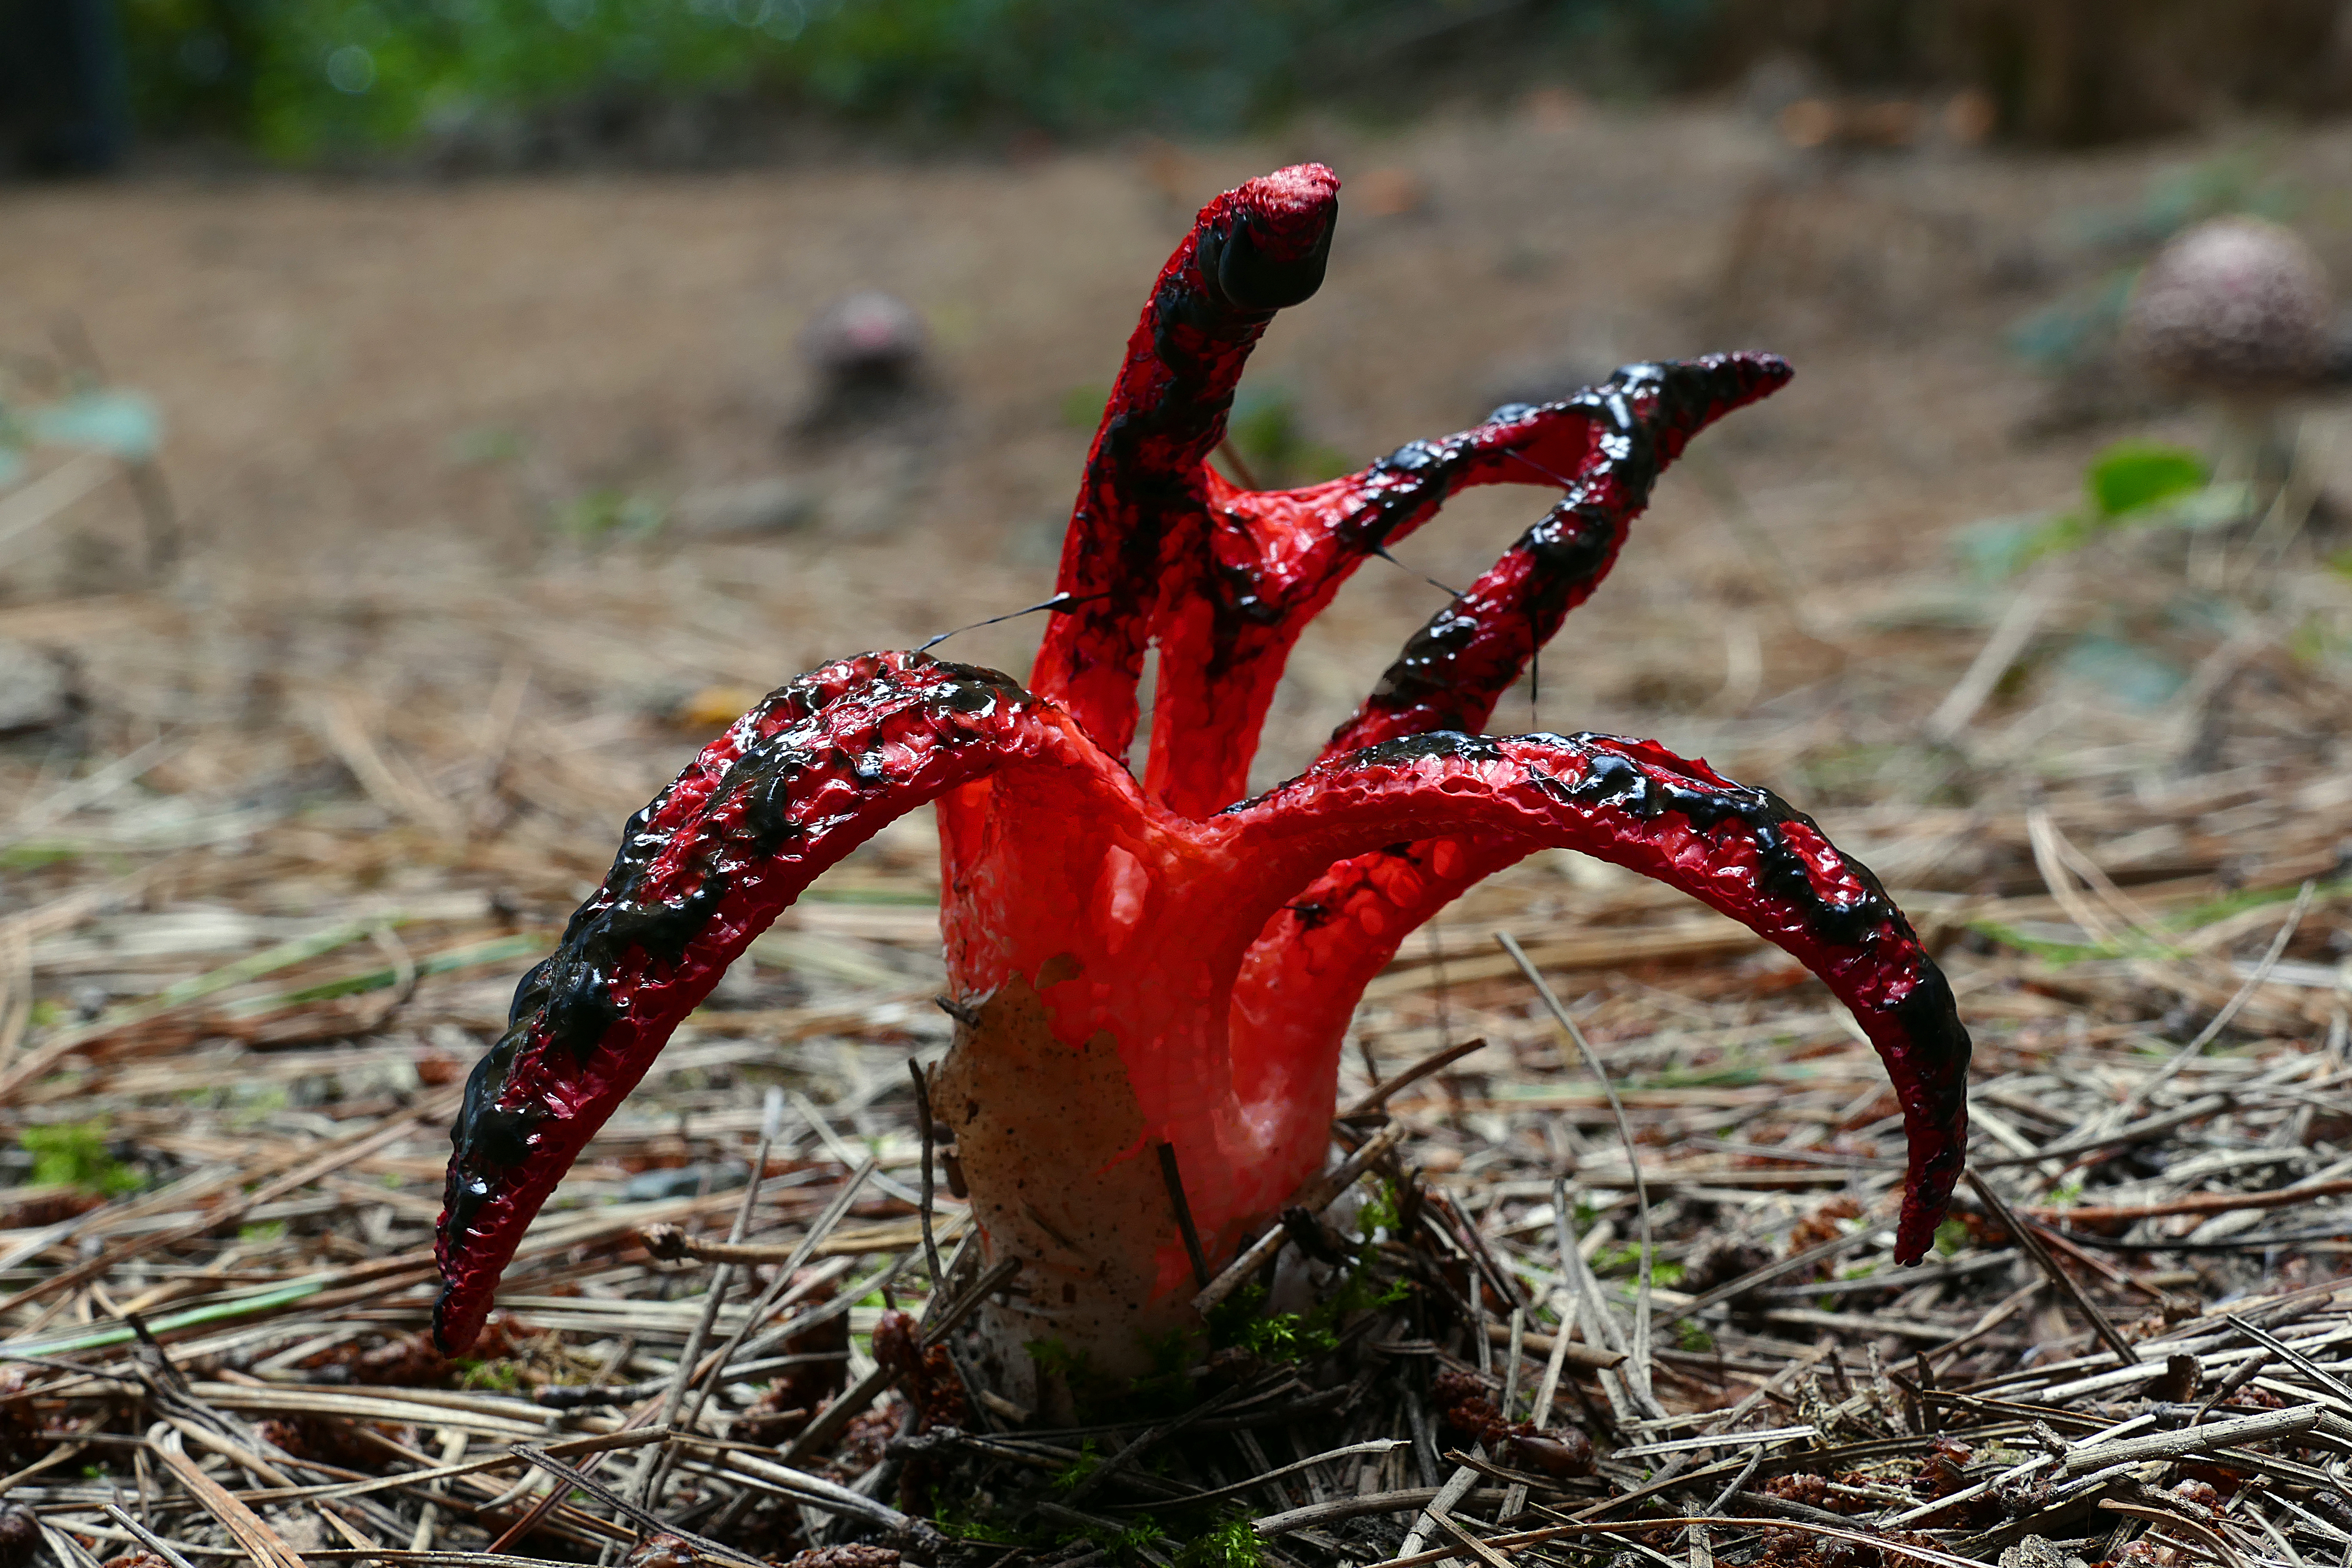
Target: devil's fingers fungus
1152,982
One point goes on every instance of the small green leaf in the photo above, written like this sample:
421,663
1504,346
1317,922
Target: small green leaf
2123,670
2132,474
32,857
1082,406
1997,548
1230,1544
1084,1465
74,1155
491,1376
609,514
485,444
123,423
2308,643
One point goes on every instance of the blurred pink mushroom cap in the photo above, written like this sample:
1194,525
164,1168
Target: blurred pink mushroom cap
865,332
2235,305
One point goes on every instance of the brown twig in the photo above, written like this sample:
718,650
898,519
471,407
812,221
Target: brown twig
1317,1194
1380,1093
2198,1203
1173,1180
2031,1244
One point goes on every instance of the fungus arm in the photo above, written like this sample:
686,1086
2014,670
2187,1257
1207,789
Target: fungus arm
1280,555
1138,527
1454,670
1742,851
1457,667
795,784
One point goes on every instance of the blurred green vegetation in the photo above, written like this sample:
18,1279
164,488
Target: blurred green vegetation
302,79
2131,484
49,405
76,1154
1268,443
1269,431
324,78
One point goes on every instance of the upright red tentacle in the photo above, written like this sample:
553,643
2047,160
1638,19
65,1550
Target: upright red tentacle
795,784
1742,851
1280,555
1137,533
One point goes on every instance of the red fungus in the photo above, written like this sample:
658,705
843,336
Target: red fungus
1145,963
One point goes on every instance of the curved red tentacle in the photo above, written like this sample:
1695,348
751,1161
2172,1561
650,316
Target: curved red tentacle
792,787
1277,559
1742,851
1137,533
1305,974
1280,555
1457,667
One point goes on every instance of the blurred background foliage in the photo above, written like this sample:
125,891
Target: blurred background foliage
519,80
304,77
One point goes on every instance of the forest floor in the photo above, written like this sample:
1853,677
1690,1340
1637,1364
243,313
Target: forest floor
497,499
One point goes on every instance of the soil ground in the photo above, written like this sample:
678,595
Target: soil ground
451,606
372,378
